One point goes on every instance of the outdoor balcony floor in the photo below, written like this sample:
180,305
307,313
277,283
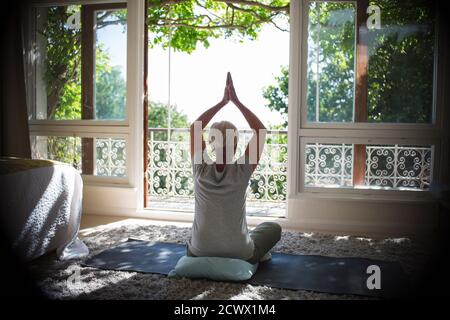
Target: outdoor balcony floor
185,204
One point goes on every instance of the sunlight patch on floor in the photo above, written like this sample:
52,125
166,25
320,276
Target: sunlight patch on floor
95,223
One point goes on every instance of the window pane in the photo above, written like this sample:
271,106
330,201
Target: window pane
109,153
390,167
400,79
57,64
328,165
110,64
58,61
110,157
398,167
63,149
331,52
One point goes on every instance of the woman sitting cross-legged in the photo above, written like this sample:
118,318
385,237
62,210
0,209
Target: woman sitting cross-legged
220,225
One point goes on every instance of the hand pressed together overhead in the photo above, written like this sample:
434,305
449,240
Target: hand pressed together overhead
230,95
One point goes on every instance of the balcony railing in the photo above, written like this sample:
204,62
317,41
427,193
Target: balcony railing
398,167
110,157
393,167
170,170
170,182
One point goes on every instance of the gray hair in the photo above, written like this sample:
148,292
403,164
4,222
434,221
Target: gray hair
222,127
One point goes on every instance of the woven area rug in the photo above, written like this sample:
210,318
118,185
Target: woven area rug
93,283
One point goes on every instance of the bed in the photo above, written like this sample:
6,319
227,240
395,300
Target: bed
40,208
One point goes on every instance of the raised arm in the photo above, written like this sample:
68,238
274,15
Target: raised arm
259,137
203,120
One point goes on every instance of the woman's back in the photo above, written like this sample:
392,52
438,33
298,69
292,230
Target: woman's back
220,226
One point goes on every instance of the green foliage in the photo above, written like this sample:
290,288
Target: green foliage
332,28
63,59
185,24
400,76
158,117
65,149
401,63
63,69
110,89
277,95
69,102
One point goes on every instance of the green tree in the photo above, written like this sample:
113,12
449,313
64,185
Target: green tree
189,22
63,64
158,117
181,23
331,47
277,95
110,88
110,95
400,76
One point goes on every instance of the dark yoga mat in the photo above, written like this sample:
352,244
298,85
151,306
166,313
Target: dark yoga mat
287,271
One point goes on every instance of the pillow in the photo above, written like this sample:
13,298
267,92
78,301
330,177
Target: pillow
214,268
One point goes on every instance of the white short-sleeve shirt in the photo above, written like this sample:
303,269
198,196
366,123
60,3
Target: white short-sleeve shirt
220,224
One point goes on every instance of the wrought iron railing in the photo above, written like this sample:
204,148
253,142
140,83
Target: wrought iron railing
398,167
387,166
109,154
326,165
170,170
110,157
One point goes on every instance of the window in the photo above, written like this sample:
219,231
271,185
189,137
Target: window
400,167
69,55
108,159
368,119
110,64
184,84
57,64
401,62
395,63
328,164
331,59
77,92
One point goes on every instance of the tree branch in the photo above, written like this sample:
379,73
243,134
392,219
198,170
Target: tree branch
102,24
257,4
187,19
278,27
207,10
220,22
255,14
164,3
238,2
193,26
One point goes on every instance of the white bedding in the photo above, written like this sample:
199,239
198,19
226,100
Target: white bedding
41,211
